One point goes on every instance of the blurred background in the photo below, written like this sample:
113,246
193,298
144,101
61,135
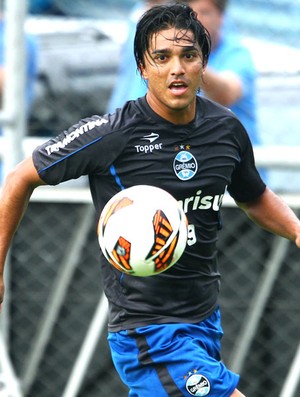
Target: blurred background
53,341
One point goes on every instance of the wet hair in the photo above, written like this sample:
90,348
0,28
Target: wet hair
156,19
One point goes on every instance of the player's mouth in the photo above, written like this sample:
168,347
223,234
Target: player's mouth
178,87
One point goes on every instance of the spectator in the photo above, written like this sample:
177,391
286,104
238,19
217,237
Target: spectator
230,76
129,84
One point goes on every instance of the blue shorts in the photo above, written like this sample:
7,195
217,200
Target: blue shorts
173,360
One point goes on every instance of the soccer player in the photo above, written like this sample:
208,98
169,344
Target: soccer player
164,331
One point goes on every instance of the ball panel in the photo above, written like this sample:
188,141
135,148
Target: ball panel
162,232
114,206
121,253
165,258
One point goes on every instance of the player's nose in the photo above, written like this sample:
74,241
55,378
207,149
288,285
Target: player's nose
177,67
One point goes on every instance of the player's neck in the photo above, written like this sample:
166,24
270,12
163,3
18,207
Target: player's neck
174,115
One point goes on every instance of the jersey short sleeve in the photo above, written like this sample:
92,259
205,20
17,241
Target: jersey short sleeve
246,184
85,148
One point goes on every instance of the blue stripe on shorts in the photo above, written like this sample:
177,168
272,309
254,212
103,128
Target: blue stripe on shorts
173,360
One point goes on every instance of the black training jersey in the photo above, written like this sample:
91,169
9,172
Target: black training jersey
196,163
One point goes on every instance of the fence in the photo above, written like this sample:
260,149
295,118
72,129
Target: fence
56,290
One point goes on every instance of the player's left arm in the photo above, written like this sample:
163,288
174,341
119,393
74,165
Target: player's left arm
270,212
15,194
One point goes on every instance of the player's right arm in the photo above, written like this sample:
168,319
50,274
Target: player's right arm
15,195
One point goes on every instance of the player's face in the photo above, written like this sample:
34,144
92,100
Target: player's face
173,71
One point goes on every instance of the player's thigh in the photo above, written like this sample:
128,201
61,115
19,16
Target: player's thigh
171,361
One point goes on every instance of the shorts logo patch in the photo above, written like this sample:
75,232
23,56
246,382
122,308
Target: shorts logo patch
198,385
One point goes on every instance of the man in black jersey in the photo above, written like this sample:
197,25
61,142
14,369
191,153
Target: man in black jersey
164,331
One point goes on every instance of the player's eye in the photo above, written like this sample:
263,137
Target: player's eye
160,58
190,55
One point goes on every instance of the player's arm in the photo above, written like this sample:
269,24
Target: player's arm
14,199
222,87
271,213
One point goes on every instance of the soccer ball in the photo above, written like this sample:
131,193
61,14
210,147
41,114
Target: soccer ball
142,230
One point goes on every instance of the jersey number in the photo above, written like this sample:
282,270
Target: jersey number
191,238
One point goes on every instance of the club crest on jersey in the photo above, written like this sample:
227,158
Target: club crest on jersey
197,385
185,165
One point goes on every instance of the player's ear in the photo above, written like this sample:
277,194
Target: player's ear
143,72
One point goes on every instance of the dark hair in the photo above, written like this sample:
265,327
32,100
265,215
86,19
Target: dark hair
156,19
